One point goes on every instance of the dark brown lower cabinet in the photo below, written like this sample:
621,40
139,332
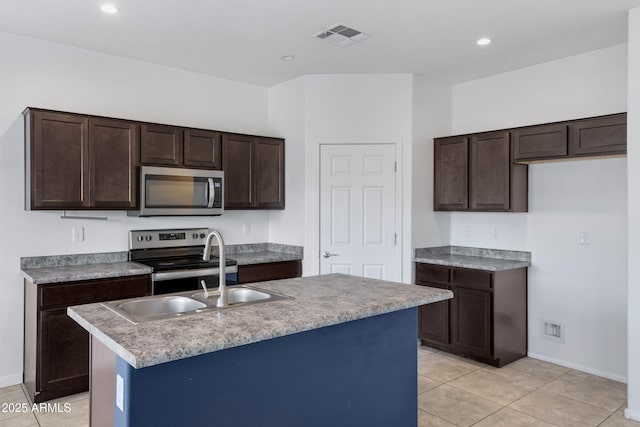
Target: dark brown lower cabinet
487,318
56,348
269,271
434,322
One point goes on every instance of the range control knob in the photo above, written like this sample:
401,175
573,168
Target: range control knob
195,235
140,238
148,238
202,235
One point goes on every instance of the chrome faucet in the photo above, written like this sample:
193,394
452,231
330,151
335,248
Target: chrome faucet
206,256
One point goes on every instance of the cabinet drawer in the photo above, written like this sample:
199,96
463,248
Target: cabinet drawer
86,292
432,273
269,271
474,279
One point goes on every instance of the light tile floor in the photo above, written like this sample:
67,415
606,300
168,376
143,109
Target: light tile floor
452,391
16,410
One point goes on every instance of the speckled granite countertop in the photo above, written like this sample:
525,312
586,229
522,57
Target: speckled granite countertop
318,301
72,273
76,267
476,258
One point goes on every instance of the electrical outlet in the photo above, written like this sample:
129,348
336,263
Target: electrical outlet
77,234
494,232
467,231
246,228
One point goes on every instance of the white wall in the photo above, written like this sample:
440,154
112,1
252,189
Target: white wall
431,118
633,163
583,287
287,119
47,75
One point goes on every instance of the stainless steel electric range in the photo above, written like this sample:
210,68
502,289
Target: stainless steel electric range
176,259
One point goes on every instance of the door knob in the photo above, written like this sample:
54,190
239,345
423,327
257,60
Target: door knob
328,254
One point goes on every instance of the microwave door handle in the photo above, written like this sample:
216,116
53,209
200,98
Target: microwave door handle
212,193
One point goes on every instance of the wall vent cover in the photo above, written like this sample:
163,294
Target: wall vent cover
341,35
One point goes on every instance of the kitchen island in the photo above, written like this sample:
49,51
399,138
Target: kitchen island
341,351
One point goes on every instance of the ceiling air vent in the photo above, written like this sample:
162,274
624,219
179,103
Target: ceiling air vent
341,35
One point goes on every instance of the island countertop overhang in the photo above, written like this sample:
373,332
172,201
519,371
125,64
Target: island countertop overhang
318,301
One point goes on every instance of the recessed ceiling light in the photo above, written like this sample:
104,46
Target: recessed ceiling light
483,41
109,8
288,57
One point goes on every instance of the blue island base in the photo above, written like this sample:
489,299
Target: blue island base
359,373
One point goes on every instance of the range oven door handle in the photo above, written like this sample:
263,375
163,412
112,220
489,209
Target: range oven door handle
212,193
185,274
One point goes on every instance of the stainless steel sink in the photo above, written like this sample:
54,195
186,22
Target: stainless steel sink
159,307
142,309
236,296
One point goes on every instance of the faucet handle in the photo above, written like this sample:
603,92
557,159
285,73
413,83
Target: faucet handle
204,286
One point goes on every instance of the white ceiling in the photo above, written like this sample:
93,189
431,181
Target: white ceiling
244,39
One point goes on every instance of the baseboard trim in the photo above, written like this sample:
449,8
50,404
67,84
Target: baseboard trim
10,380
631,415
577,367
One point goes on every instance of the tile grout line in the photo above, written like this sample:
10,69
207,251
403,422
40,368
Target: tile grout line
26,395
579,401
530,415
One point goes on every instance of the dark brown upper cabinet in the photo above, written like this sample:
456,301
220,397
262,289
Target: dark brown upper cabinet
254,172
237,152
598,136
173,146
113,159
490,171
202,149
57,164
592,137
539,142
80,162
269,173
160,145
476,173
451,174
77,161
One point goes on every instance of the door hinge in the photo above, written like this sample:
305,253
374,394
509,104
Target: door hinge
395,166
395,238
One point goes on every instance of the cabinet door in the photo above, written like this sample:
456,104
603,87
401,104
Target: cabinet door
59,161
433,320
599,136
160,145
113,161
269,174
490,162
451,181
471,321
64,362
540,142
202,149
237,157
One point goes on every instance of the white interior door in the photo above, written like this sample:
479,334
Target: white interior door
358,211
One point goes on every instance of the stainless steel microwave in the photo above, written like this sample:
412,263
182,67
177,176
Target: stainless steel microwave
180,191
